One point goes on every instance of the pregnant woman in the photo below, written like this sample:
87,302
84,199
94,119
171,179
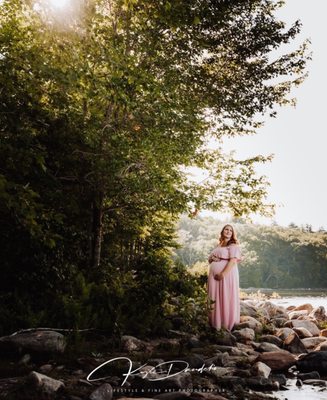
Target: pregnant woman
223,281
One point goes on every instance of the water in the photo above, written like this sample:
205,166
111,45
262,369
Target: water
286,301
293,297
305,392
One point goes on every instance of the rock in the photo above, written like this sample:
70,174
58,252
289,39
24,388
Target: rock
277,360
46,368
206,396
299,383
194,360
323,332
315,382
172,396
218,372
244,335
44,384
302,332
321,347
224,338
271,339
311,343
219,360
297,314
194,342
25,360
261,383
315,361
280,378
283,333
34,342
103,392
273,310
264,347
260,369
309,375
308,307
249,322
131,343
319,314
279,322
248,309
309,325
294,344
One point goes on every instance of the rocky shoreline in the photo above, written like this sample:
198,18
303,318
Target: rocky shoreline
269,345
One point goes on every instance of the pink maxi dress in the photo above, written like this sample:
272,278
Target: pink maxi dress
226,309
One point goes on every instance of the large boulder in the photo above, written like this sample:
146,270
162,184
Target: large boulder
249,322
244,335
248,309
273,310
312,342
294,344
43,341
315,361
319,314
309,325
277,360
44,384
308,307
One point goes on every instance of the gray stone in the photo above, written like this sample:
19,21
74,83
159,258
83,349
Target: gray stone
249,322
248,309
271,339
131,343
34,342
244,335
312,342
315,382
261,369
46,368
294,344
44,383
277,360
264,347
309,375
283,333
309,325
319,314
302,332
103,392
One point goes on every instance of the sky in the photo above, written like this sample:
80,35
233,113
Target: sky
297,136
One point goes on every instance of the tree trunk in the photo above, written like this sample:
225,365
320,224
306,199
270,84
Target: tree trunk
97,236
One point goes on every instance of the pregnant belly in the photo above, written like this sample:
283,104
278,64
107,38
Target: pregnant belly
217,266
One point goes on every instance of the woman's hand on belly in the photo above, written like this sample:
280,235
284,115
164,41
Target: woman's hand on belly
218,277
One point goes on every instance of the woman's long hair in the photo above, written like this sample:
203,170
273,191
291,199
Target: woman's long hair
232,240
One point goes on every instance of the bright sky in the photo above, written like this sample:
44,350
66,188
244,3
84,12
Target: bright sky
298,136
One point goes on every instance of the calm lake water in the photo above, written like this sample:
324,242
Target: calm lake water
290,297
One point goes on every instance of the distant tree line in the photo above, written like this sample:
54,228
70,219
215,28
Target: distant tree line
274,256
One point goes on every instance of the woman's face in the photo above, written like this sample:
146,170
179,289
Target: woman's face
227,232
